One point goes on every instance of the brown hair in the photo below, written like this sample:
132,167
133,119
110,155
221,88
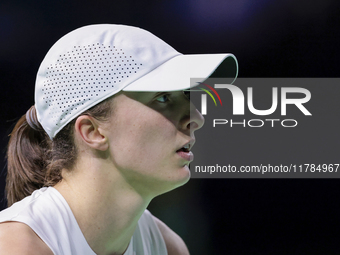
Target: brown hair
34,160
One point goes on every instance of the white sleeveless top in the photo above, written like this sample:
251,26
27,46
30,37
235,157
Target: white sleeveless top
48,214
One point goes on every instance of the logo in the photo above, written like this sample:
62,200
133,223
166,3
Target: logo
204,98
279,101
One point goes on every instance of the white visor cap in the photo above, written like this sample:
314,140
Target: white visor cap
92,63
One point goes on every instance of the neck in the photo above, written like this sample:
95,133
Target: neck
105,206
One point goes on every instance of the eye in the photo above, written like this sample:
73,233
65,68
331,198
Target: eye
163,98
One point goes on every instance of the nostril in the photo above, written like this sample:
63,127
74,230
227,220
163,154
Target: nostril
193,125
196,120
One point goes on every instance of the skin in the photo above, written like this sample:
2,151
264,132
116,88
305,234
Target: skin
18,238
127,161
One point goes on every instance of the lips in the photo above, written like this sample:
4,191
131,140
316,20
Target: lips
185,153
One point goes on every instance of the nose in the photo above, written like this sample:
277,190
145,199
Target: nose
194,121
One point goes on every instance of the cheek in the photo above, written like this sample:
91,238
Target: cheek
143,142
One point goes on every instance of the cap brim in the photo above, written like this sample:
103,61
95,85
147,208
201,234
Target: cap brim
175,74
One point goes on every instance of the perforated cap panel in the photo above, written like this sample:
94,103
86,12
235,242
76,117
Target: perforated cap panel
84,74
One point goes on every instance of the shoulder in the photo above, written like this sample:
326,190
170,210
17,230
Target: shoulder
174,243
18,238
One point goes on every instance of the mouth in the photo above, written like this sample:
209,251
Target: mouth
185,153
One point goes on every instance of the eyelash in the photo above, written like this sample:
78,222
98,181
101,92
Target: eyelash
166,97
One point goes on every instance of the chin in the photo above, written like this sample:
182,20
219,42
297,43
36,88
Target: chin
178,180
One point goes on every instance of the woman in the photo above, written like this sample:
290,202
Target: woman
111,128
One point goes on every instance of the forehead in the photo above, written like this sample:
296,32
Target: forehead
145,97
140,96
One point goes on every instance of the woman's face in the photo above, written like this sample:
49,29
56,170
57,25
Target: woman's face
151,134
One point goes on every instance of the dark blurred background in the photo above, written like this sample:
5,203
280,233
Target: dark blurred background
277,38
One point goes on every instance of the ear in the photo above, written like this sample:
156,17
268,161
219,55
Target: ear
91,133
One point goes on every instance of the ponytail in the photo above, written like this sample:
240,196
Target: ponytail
34,160
27,157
